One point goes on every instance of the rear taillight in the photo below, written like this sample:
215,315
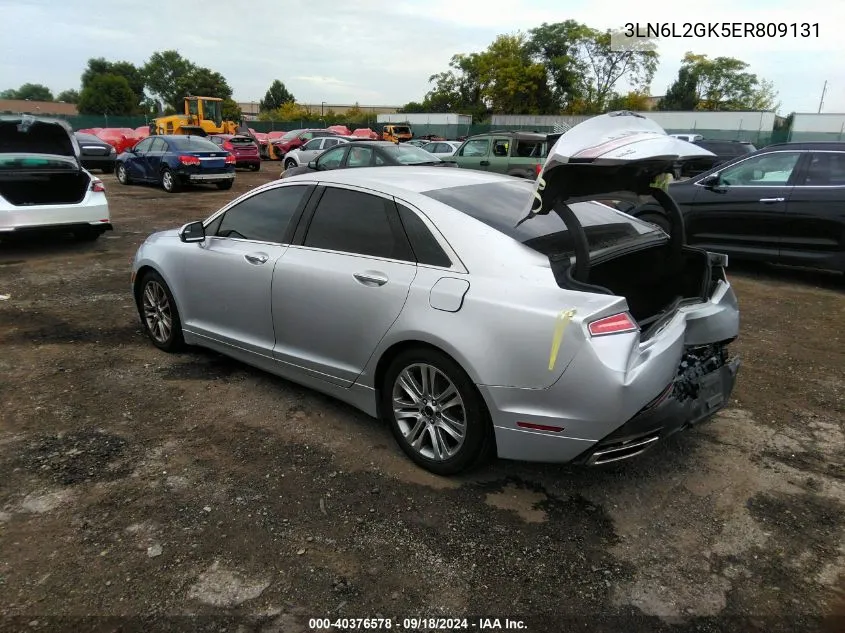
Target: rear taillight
228,146
189,160
230,159
537,169
97,185
615,324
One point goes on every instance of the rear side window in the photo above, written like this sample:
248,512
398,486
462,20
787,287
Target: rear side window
826,169
530,149
425,246
501,205
357,223
265,216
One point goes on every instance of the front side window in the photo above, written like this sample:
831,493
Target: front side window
500,147
331,159
476,147
263,217
765,170
312,144
357,223
144,146
158,146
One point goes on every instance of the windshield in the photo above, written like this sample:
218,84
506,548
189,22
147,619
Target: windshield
291,134
241,140
500,205
410,155
401,129
192,144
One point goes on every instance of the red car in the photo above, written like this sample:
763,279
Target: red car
296,138
340,129
121,138
243,148
366,133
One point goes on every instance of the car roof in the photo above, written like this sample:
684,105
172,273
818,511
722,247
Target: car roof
808,145
402,179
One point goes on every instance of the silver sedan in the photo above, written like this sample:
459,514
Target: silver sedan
415,295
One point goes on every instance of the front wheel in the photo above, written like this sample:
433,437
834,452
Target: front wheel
123,175
225,185
290,163
435,412
159,314
169,182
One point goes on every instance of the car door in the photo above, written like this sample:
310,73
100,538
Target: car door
741,209
153,158
499,155
474,154
310,150
338,290
226,280
815,224
135,164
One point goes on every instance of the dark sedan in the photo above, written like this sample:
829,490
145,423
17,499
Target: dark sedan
175,161
367,154
782,204
96,153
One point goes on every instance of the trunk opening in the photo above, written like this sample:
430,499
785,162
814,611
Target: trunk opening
652,287
52,188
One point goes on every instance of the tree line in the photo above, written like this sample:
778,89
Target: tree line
570,68
120,88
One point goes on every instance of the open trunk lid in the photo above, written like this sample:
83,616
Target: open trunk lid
28,135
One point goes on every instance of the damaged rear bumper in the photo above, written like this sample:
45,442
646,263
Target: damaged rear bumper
698,392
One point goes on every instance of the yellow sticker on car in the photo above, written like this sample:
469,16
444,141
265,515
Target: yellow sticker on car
563,318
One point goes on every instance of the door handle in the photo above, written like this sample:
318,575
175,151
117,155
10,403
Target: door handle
484,163
370,279
771,200
257,258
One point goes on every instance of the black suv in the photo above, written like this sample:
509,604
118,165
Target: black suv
782,204
724,151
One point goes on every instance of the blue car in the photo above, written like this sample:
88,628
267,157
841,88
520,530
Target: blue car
175,161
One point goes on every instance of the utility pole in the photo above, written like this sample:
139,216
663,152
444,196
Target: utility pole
821,101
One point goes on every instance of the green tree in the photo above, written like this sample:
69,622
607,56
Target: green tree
101,66
412,107
290,111
171,77
231,110
634,101
33,92
68,96
107,94
558,47
721,83
276,96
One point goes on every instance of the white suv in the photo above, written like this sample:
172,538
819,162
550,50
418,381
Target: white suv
42,183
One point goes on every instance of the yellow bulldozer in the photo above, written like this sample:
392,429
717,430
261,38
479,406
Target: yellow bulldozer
203,116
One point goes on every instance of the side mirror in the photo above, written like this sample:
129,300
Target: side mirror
312,165
192,232
712,180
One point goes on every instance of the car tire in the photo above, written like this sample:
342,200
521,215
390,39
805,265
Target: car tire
123,175
169,181
458,449
108,170
226,185
157,309
255,167
290,163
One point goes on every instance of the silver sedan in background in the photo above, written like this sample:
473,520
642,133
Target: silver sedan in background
310,150
442,148
416,295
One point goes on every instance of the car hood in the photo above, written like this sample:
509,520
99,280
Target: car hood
32,135
619,154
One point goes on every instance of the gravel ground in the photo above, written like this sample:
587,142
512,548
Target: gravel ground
136,483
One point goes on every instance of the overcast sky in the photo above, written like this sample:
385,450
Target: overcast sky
382,52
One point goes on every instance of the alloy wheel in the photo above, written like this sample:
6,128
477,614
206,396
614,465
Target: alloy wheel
121,174
157,312
429,411
167,181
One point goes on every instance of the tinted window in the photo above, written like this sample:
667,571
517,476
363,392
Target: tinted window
529,149
88,138
355,222
359,157
192,144
265,216
241,140
765,170
826,169
409,155
425,246
330,142
476,147
331,158
144,145
501,205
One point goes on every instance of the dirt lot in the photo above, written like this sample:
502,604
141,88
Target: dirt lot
133,482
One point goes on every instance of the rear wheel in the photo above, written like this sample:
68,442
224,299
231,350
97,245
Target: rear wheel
434,411
169,182
225,185
159,314
123,175
290,163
